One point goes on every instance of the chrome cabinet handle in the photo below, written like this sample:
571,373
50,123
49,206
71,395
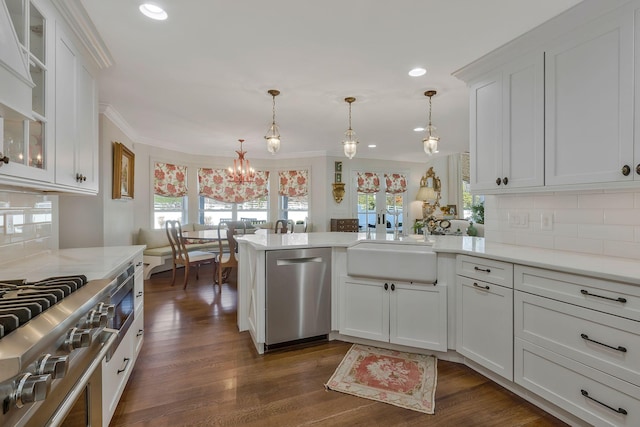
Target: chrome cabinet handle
618,348
124,368
626,170
619,299
622,411
486,270
485,287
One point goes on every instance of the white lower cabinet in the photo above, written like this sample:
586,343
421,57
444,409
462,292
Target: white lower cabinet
396,312
484,313
115,374
577,344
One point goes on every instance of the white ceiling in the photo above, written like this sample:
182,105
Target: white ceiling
198,81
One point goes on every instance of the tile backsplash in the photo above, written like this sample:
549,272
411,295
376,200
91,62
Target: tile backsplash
604,222
26,224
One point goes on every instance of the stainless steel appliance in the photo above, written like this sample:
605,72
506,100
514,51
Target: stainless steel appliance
298,296
54,335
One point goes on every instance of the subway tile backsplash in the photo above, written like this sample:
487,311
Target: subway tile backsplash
26,224
601,222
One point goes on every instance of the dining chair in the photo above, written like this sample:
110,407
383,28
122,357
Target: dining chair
227,259
182,256
283,226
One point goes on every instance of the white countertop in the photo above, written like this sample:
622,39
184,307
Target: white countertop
95,263
608,268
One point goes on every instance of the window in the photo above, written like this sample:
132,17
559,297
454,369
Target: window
222,199
371,195
293,189
468,199
170,191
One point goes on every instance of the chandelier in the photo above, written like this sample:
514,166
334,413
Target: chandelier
430,142
241,172
350,140
273,134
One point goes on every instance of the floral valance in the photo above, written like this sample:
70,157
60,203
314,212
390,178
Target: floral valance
170,180
396,183
293,183
217,184
368,182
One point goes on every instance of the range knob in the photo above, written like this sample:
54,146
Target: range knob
56,366
108,309
78,338
32,388
96,319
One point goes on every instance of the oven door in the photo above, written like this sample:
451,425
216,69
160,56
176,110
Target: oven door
123,301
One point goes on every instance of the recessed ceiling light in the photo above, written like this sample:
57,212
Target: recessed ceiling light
372,145
418,129
417,72
154,12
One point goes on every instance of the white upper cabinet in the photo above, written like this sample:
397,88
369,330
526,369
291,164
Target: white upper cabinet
555,108
589,103
507,134
76,119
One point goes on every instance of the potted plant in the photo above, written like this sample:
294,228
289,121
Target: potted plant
477,213
417,226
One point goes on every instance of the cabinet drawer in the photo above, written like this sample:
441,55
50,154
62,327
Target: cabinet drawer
563,381
611,297
484,325
488,270
115,373
605,342
138,334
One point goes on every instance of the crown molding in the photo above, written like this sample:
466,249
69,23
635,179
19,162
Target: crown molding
77,18
117,119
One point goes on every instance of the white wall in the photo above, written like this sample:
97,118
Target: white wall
603,222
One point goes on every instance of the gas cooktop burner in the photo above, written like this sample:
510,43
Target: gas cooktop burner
21,301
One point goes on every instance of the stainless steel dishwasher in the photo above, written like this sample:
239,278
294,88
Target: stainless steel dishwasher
298,296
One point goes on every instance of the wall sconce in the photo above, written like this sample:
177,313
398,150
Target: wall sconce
429,193
338,191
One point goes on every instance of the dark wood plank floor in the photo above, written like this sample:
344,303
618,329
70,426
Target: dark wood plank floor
196,369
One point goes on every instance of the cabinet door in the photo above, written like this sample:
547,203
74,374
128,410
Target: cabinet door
484,322
589,104
523,122
66,77
486,132
418,316
364,310
87,129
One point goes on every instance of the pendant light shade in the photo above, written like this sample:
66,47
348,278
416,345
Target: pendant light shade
350,143
430,142
273,134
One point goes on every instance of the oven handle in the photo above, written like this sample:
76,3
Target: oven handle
69,401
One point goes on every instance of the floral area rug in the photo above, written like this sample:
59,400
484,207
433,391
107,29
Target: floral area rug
402,379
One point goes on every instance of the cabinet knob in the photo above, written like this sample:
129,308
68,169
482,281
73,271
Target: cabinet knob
80,177
638,168
626,170
498,181
393,287
3,159
386,286
505,180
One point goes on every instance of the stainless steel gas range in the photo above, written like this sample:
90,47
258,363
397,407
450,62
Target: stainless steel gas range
56,336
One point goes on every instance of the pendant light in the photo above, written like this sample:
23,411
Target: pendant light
241,172
350,140
430,142
273,134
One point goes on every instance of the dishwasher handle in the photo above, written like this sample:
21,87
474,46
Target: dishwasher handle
294,261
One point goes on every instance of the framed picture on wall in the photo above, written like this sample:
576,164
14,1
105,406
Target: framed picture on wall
453,210
123,172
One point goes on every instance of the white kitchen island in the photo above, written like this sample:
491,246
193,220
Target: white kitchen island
558,328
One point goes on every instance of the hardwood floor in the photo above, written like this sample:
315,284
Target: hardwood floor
196,369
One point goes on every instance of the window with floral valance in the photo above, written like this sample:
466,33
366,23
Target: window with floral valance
396,183
216,184
293,183
170,180
368,182
293,189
